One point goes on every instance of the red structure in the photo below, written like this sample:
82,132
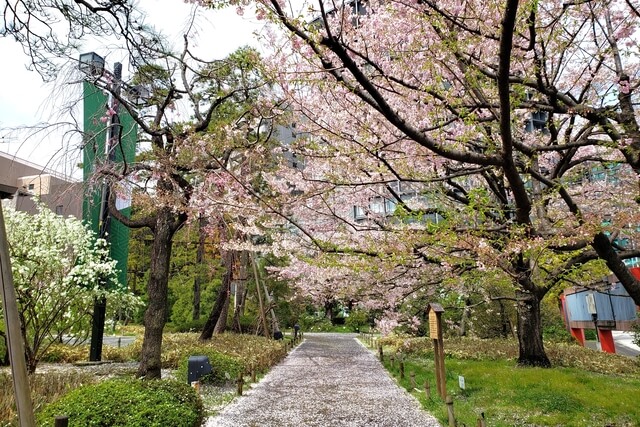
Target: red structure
605,308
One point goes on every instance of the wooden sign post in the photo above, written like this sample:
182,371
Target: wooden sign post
434,312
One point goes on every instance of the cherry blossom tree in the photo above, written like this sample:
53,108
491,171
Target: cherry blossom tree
58,268
185,169
198,120
515,120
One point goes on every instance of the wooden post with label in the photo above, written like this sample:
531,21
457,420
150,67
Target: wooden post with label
434,311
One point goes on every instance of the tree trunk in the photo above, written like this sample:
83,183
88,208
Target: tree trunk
238,309
155,316
240,294
466,314
197,281
329,307
274,320
504,321
531,348
221,324
212,320
605,251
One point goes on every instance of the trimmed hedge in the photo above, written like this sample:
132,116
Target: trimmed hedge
128,403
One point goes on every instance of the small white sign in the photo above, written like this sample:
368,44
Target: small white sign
461,382
591,304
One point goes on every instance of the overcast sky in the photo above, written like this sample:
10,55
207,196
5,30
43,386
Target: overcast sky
26,101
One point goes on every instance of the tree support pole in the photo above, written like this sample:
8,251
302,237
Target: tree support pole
14,338
263,318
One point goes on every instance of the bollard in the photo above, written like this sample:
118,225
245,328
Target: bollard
401,365
61,421
392,358
380,352
253,372
240,382
427,389
452,417
119,342
412,379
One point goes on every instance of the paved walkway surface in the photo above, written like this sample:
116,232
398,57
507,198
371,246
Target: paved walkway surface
623,343
328,380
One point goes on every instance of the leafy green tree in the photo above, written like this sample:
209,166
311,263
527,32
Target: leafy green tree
193,276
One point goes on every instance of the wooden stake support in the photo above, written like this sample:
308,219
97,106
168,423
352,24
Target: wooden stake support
240,383
434,312
450,414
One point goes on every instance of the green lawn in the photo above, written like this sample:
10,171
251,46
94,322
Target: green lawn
513,396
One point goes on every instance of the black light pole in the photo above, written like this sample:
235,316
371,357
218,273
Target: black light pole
593,311
100,303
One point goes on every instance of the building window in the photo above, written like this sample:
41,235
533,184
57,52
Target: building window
358,212
31,186
377,206
59,209
389,206
538,121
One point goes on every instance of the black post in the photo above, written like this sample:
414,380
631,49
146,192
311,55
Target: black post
100,304
595,324
61,421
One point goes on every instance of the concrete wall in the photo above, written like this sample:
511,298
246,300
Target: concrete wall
61,194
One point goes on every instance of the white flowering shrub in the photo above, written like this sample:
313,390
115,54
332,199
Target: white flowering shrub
59,268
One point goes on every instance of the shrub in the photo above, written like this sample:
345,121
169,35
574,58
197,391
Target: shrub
65,353
225,368
187,326
357,320
45,388
129,403
636,332
567,355
321,325
553,325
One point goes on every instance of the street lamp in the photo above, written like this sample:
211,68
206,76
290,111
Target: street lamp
591,308
92,65
116,146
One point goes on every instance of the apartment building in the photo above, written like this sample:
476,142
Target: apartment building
21,181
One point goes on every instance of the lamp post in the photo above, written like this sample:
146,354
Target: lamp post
92,65
113,145
592,309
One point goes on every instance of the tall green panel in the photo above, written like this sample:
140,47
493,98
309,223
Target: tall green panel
95,131
95,137
119,232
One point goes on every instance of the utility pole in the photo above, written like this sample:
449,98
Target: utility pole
14,338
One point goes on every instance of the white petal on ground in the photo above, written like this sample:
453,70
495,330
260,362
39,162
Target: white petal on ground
329,380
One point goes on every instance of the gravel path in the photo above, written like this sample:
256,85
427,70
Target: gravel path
328,380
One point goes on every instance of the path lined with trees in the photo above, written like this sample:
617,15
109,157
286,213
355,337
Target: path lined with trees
330,379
